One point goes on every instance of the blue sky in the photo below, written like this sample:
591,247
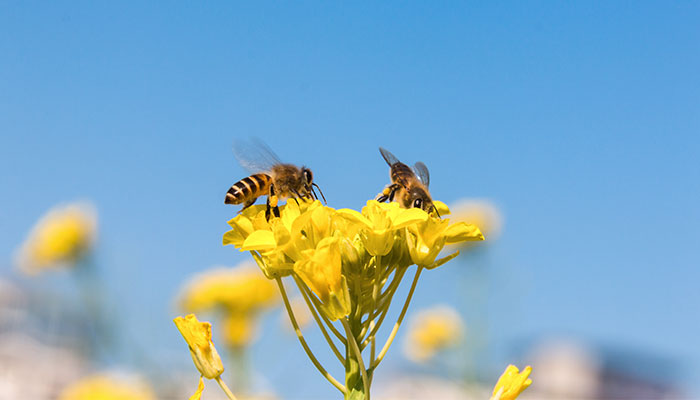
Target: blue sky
579,120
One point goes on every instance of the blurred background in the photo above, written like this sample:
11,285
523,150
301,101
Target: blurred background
568,131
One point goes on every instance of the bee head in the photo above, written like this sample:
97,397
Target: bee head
420,198
307,176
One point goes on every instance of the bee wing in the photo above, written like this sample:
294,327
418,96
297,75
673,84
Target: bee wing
255,156
422,172
388,157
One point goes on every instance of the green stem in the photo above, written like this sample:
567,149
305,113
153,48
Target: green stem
225,388
310,354
380,357
358,356
325,319
318,320
390,291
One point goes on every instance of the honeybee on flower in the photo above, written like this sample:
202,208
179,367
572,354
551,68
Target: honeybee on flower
270,177
409,185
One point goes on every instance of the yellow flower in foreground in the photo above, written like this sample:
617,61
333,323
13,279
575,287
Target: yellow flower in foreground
431,331
379,222
512,383
198,337
426,239
61,237
107,387
320,269
327,247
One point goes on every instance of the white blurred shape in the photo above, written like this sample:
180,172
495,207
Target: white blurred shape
32,370
564,369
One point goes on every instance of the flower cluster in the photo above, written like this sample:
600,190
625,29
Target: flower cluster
325,247
347,266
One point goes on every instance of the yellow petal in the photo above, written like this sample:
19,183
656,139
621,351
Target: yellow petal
441,208
198,394
512,383
462,232
259,240
409,217
355,217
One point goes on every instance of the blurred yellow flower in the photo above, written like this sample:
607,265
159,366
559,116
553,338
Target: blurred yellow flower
198,337
240,288
238,329
240,294
431,331
107,387
59,238
511,383
481,213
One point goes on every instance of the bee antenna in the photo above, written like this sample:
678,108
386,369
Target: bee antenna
436,211
320,191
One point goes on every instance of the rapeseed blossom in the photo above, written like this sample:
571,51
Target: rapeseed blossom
347,266
511,383
198,337
59,239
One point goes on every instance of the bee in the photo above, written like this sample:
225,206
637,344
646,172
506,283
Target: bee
271,178
409,186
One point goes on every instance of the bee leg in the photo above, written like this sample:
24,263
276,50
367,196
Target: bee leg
272,204
297,194
388,193
248,204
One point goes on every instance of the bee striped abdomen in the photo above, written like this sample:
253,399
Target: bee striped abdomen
248,189
401,173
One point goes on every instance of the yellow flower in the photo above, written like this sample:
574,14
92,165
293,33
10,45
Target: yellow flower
481,213
107,387
198,337
432,331
426,239
379,222
320,269
511,383
59,238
